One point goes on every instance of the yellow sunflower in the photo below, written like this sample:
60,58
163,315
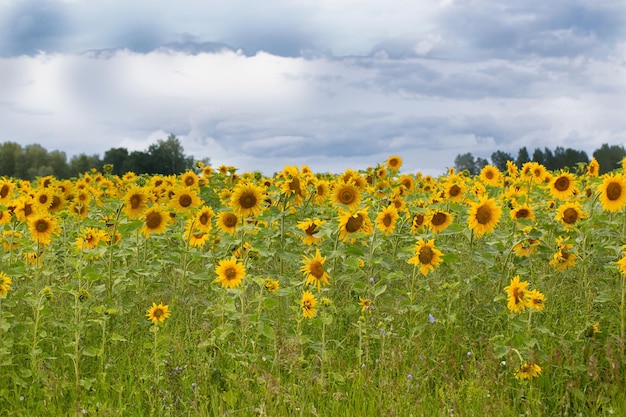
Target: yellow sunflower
491,175
439,220
310,229
426,256
593,169
322,191
308,303
366,305
158,313
135,202
562,186
394,162
455,190
24,208
5,284
407,182
184,199
563,258
204,219
418,223
189,179
535,300
522,212
526,247
621,263
528,371
6,190
227,222
386,219
351,223
516,292
271,285
230,273
511,169
156,220
247,200
42,227
89,238
483,216
43,199
79,209
5,216
534,170
613,192
347,194
314,270
569,214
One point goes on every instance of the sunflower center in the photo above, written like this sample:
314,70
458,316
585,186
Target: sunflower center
489,175
230,273
483,214
153,220
4,191
158,313
438,219
311,230
294,186
562,184
454,190
518,295
426,255
189,181
43,199
204,219
135,201
247,201
614,191
317,269
347,197
56,202
387,220
230,221
185,200
42,226
522,214
570,215
418,220
354,223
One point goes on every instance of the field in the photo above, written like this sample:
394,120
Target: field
368,293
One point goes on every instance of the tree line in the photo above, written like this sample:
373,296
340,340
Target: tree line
608,156
165,157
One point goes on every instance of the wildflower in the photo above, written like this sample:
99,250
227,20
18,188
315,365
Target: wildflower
366,304
528,371
431,318
158,313
230,273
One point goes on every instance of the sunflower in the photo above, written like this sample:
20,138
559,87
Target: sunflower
613,192
184,199
135,202
314,270
155,220
426,255
24,208
207,171
79,209
5,216
197,238
227,222
308,303
526,247
10,239
593,169
562,186
89,238
569,214
43,199
322,191
386,219
189,179
247,200
347,194
407,182
511,169
42,227
230,273
203,219
484,216
522,212
455,190
516,292
528,371
491,175
418,223
534,170
5,284
310,229
158,313
271,285
394,162
58,202
6,190
366,305
621,263
535,300
439,220
563,258
351,223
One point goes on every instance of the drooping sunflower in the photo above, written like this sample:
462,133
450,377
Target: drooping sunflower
42,227
351,223
135,202
184,199
347,194
526,247
247,199
535,300
394,162
227,222
158,313
569,214
593,169
230,273
79,209
426,256
563,258
516,292
271,285
483,216
386,219
197,238
439,220
314,271
562,186
5,284
156,220
308,303
407,182
310,227
491,175
528,371
613,192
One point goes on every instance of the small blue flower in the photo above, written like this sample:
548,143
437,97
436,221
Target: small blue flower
431,318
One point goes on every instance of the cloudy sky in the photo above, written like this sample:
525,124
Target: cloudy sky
331,84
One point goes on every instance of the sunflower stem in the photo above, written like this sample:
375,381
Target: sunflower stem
111,243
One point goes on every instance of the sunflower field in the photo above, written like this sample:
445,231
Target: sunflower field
366,293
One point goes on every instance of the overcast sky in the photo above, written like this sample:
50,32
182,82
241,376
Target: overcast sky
331,84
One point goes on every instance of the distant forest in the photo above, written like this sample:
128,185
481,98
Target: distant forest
609,158
165,157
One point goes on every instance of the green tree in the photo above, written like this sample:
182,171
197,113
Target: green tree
522,157
82,163
499,159
609,157
167,157
116,157
10,158
465,162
